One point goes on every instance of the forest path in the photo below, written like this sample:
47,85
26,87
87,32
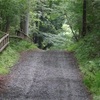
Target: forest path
45,75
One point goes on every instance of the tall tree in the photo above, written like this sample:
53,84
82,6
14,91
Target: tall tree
24,18
10,11
84,25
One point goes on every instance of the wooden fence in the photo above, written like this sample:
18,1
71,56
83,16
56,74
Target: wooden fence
4,41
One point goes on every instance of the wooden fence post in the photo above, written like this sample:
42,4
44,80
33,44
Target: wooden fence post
4,41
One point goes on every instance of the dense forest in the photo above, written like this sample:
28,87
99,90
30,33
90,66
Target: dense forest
72,25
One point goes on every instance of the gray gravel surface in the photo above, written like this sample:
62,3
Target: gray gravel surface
45,75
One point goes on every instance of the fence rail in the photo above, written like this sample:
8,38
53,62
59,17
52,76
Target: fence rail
4,41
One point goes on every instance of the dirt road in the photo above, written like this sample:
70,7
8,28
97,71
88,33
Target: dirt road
45,75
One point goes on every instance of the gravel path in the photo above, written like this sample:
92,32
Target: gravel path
45,75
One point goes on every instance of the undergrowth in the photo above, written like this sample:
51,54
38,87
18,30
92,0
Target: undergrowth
87,52
21,45
11,54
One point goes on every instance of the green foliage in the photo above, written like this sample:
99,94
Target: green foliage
96,97
11,54
47,16
61,41
89,47
21,45
7,59
87,51
10,12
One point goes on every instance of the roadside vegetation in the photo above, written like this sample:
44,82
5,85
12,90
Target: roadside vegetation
87,52
11,54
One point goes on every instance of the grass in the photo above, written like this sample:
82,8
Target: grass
87,51
7,59
11,54
21,45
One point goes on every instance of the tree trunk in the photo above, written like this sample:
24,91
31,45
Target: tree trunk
24,23
84,24
27,24
7,26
